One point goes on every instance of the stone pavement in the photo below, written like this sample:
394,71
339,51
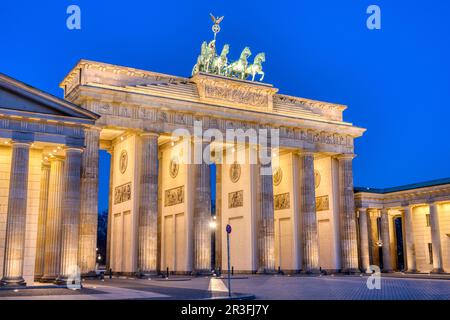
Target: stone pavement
263,287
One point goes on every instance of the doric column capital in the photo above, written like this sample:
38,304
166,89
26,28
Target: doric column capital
45,164
362,210
149,134
56,158
303,152
407,208
346,156
74,150
21,144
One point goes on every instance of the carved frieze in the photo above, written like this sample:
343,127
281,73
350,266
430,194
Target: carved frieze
322,203
317,178
235,172
123,161
174,196
236,199
281,201
122,193
241,93
277,176
174,167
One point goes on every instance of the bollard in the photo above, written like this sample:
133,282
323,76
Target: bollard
232,270
167,273
220,271
110,273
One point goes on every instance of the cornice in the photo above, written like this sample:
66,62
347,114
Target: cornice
169,104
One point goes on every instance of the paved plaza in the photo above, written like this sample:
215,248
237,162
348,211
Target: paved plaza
261,287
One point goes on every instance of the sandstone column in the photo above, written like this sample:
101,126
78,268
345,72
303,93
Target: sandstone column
70,215
436,239
16,216
110,214
349,244
219,227
364,240
265,220
53,226
148,206
308,214
42,221
202,218
386,239
89,203
409,237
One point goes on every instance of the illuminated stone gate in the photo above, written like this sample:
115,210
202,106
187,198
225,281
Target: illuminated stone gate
300,219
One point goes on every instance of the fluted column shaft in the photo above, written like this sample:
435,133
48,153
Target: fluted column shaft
349,244
409,237
265,220
89,203
308,214
42,221
219,227
386,239
110,214
16,216
436,239
53,226
364,239
202,217
148,206
71,214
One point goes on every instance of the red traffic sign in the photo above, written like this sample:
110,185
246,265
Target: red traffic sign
228,228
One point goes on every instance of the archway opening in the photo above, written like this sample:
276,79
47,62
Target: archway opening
103,204
398,230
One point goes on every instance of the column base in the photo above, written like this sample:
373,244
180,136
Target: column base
201,273
48,279
63,281
311,271
266,271
13,282
147,274
437,271
351,271
37,278
89,275
365,271
411,271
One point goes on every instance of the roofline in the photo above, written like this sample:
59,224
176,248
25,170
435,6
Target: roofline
338,106
105,64
48,96
412,186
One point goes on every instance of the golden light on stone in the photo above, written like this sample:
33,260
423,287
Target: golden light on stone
155,200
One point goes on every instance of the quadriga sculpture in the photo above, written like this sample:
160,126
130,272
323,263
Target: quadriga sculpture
238,68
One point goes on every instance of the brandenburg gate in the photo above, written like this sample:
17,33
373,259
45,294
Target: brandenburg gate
298,216
283,181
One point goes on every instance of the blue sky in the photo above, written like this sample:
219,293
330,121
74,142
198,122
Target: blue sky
395,80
